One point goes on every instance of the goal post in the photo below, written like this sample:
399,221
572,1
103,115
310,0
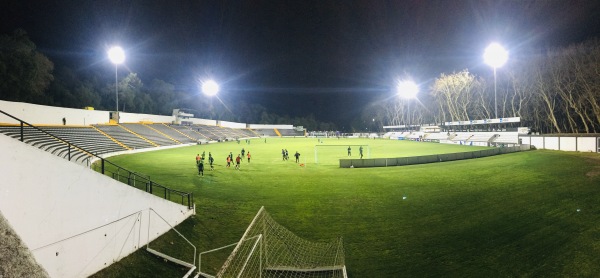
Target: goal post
340,151
268,249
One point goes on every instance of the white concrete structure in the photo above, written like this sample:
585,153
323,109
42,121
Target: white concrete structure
136,118
74,220
198,121
48,115
231,124
261,126
580,143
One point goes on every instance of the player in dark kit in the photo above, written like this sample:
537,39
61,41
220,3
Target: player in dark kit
297,155
201,168
238,159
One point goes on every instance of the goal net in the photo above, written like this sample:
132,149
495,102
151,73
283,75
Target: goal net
331,154
268,249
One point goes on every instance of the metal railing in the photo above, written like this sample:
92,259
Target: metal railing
106,167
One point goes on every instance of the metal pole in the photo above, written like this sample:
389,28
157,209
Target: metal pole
117,89
495,101
408,114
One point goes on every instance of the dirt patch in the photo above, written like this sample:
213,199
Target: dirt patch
593,159
593,173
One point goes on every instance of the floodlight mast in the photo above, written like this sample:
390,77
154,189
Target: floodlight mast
408,89
116,56
495,56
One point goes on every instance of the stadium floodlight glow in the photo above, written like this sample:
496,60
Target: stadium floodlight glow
117,57
495,56
210,87
407,89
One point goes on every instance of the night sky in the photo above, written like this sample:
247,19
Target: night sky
297,57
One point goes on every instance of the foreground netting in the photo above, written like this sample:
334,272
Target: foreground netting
268,249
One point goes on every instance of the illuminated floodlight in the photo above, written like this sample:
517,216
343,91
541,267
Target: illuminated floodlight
495,55
210,87
407,89
116,55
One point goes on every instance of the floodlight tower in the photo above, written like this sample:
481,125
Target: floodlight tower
116,56
408,90
496,56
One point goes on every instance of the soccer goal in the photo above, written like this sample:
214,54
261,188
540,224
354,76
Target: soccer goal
268,249
340,151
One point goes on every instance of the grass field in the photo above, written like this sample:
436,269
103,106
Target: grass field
524,214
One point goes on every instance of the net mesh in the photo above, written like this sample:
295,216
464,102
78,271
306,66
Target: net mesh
268,249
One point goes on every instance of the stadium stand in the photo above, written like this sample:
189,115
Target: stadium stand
190,132
460,136
249,133
44,141
414,136
129,139
172,133
208,131
481,137
150,134
291,132
506,138
87,138
266,132
435,137
223,133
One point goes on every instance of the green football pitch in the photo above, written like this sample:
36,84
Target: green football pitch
526,214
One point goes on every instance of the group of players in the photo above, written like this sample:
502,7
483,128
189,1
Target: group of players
211,160
286,155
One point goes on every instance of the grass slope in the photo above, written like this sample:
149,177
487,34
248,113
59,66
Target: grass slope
507,215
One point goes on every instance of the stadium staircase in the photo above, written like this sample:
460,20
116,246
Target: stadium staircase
277,132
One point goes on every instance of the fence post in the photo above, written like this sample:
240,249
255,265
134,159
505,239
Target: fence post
69,151
102,159
22,139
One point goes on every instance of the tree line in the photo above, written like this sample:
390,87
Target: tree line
554,91
27,75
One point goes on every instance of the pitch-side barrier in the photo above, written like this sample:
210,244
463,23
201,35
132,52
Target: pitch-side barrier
402,161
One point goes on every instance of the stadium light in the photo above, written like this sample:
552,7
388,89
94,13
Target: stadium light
116,56
408,89
210,87
495,56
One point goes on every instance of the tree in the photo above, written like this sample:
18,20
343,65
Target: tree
460,96
24,72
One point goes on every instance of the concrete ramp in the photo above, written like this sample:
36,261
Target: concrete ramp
76,221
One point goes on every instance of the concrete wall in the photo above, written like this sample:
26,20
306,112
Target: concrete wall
257,126
48,115
580,143
231,124
197,121
136,118
74,220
